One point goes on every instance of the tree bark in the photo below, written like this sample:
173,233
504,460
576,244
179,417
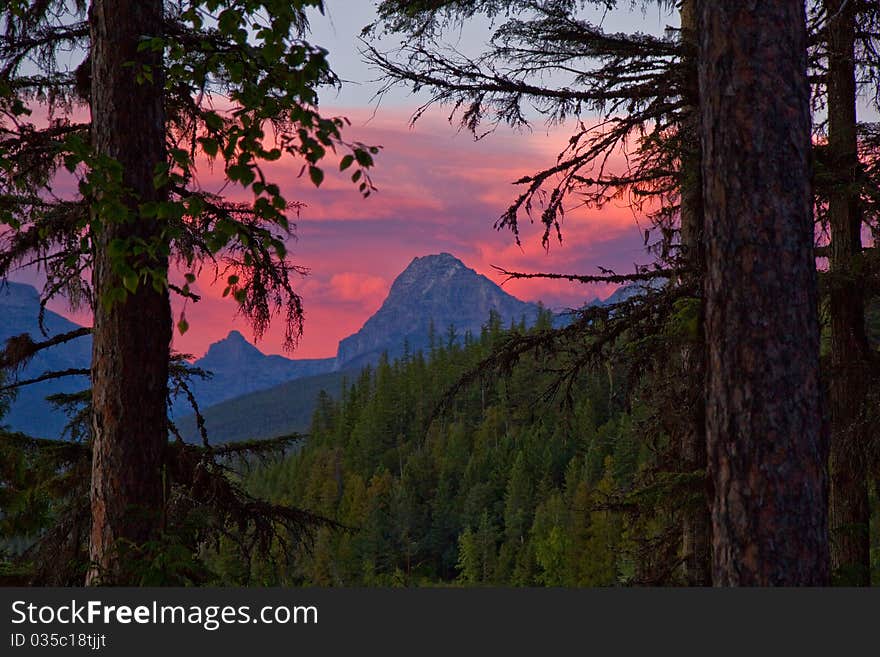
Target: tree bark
696,521
130,338
767,445
849,512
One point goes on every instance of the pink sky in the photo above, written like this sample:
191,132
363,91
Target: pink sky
439,190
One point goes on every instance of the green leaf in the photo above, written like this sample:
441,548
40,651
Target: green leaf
316,175
160,179
130,281
212,120
229,20
117,248
210,146
195,206
71,161
180,155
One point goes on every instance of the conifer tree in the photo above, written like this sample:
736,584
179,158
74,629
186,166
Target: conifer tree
644,92
767,443
696,531
131,335
850,376
165,84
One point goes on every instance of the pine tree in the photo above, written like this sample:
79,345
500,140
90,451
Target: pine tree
849,511
131,336
149,79
766,439
518,501
644,91
696,523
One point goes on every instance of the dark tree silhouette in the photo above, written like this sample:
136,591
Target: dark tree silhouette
643,89
850,354
165,82
766,438
131,337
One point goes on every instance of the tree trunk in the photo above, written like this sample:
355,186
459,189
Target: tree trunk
849,514
767,445
696,522
130,338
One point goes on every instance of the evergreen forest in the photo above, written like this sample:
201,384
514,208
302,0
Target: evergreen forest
716,425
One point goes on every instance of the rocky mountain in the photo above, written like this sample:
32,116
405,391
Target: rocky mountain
433,293
434,290
239,368
19,313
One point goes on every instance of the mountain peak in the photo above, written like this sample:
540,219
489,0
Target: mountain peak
239,368
431,272
434,261
442,258
436,290
233,348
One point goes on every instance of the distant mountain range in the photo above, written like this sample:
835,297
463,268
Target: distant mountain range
238,368
19,313
433,293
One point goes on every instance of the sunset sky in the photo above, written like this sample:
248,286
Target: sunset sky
439,190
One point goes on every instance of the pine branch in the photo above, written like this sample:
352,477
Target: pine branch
609,277
48,376
21,349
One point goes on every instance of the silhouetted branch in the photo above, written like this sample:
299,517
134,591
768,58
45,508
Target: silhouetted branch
21,348
48,376
609,277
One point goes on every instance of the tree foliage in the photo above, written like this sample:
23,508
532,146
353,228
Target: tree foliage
237,83
241,86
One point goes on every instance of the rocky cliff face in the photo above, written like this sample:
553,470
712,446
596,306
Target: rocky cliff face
434,290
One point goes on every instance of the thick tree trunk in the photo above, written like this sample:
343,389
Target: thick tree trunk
696,522
767,444
850,514
131,337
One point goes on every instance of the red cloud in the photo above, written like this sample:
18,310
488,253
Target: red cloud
359,288
439,190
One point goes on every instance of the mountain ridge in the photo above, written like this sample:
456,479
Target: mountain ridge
28,412
239,368
432,293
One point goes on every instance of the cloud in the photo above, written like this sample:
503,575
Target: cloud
439,190
358,288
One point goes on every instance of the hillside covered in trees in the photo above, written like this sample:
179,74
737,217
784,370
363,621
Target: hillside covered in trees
515,482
